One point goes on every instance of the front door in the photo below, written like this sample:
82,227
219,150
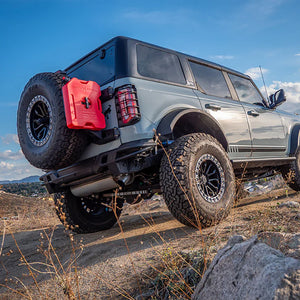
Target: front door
267,132
216,100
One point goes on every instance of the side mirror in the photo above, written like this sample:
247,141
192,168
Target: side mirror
277,98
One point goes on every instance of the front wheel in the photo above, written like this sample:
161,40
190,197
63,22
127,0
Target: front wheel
87,214
197,180
291,173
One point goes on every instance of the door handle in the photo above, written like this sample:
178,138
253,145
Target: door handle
213,106
253,113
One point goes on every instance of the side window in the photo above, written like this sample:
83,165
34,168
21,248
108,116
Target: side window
246,90
159,64
97,69
210,80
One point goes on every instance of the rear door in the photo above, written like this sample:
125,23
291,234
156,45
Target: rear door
267,131
216,100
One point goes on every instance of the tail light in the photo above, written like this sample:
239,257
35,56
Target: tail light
127,105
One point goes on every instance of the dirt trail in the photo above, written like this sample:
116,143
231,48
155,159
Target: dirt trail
113,260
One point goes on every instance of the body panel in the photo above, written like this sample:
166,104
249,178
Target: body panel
232,119
155,100
267,132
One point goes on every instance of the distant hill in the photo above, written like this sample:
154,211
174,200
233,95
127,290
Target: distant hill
24,180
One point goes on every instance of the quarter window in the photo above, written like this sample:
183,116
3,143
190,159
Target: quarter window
159,64
210,80
246,91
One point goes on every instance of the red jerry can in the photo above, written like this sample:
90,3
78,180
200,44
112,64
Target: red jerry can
82,103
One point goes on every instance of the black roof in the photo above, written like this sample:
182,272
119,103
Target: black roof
193,58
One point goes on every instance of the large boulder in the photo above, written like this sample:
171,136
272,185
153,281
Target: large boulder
251,269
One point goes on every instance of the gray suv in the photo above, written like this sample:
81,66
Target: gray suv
171,124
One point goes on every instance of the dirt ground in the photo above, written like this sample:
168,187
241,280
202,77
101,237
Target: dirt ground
40,260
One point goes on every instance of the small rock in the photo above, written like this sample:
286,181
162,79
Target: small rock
289,204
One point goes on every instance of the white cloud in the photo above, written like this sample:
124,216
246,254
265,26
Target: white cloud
254,73
222,57
292,92
8,154
5,165
297,54
13,165
10,138
10,171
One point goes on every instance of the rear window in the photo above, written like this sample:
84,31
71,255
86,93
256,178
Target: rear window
210,80
159,64
100,68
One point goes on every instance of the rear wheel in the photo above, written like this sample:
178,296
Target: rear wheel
87,214
197,180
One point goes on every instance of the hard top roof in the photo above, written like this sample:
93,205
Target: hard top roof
190,57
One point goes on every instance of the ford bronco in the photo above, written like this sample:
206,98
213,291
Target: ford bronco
160,122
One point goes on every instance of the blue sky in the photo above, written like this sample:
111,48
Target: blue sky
42,35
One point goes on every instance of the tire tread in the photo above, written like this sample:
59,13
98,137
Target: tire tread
176,191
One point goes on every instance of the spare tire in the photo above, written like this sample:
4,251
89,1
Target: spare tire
45,139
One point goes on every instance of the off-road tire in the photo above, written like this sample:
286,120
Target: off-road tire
60,146
179,184
74,215
291,173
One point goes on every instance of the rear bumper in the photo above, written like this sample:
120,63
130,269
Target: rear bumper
111,163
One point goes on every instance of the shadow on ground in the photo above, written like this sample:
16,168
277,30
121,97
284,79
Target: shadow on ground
141,232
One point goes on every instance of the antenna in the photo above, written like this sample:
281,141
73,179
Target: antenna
262,76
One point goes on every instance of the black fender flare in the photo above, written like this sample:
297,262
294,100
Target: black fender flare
166,126
294,139
167,123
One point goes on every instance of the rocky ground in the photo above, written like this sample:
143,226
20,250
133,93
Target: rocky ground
39,259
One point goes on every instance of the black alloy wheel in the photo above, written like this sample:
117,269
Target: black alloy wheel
39,120
210,178
87,214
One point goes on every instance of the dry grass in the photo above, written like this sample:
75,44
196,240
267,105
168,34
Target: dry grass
26,213
158,248
147,253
